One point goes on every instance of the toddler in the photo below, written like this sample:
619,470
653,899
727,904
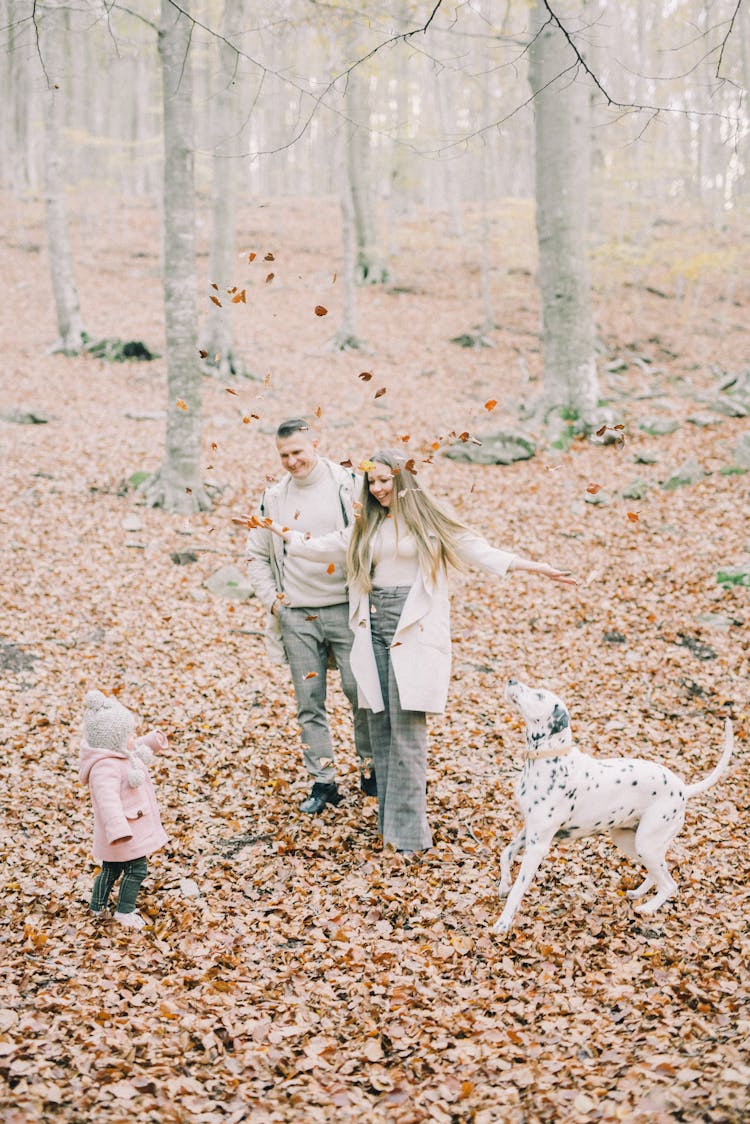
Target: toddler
127,826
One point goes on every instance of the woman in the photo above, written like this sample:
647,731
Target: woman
397,553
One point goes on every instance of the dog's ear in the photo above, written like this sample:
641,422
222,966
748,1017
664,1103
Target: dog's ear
558,719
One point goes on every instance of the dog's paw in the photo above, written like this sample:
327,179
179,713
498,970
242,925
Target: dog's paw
503,889
500,927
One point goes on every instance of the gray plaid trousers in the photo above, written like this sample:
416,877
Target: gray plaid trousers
398,737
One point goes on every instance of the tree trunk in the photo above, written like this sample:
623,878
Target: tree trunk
346,336
72,336
562,161
371,265
217,336
177,486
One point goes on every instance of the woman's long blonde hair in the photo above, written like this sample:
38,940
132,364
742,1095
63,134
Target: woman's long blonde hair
435,531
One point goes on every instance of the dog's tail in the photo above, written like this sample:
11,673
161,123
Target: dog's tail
713,776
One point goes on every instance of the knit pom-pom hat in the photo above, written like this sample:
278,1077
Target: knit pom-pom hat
108,724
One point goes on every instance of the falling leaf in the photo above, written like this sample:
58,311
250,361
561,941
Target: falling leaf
464,436
270,277
318,411
311,617
592,489
229,390
251,256
189,491
213,446
409,466
216,300
490,404
365,376
269,257
240,298
181,404
214,286
405,437
365,466
380,393
633,516
203,354
333,282
321,310
346,464
311,675
330,568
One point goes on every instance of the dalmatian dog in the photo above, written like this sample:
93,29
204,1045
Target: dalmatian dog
565,794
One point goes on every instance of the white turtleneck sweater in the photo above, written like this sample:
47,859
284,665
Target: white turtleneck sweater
394,556
312,506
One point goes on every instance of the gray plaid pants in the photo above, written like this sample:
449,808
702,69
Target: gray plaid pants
309,635
399,739
133,873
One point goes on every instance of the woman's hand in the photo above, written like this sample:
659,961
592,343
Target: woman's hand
562,577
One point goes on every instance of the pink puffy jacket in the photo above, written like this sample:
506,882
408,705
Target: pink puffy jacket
122,812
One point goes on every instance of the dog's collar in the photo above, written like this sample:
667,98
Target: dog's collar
536,754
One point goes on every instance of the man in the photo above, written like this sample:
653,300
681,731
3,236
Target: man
308,606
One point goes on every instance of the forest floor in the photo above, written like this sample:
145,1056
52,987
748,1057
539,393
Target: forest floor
303,973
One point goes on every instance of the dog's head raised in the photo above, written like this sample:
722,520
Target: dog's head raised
546,716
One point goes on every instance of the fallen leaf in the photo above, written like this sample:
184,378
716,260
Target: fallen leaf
490,404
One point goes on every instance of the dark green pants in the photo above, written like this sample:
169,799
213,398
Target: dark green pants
132,872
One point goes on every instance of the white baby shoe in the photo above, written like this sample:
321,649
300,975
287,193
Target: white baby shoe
130,920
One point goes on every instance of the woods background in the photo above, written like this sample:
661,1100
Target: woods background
524,220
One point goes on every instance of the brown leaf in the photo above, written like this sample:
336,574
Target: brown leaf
269,257
229,390
380,393
311,675
240,298
203,354
251,256
216,300
321,310
365,376
592,489
269,277
490,404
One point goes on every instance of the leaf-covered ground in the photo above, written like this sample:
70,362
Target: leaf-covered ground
303,973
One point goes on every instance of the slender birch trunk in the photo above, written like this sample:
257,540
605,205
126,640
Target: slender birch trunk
72,336
562,160
177,486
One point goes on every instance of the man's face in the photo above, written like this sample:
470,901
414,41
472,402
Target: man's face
298,453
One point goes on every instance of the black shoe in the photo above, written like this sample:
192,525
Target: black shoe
320,795
368,783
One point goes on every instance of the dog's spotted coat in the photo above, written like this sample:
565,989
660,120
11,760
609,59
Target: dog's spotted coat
565,794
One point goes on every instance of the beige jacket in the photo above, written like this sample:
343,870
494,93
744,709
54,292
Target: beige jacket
421,649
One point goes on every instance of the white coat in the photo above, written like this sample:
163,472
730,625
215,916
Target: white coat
421,648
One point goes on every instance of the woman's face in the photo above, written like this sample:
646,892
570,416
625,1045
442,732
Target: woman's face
380,479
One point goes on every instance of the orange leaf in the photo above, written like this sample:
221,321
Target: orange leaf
241,297
464,436
409,466
633,516
270,277
181,404
216,300
330,568
490,404
311,675
311,617
318,411
320,310
252,256
213,446
381,392
230,391
405,437
592,489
